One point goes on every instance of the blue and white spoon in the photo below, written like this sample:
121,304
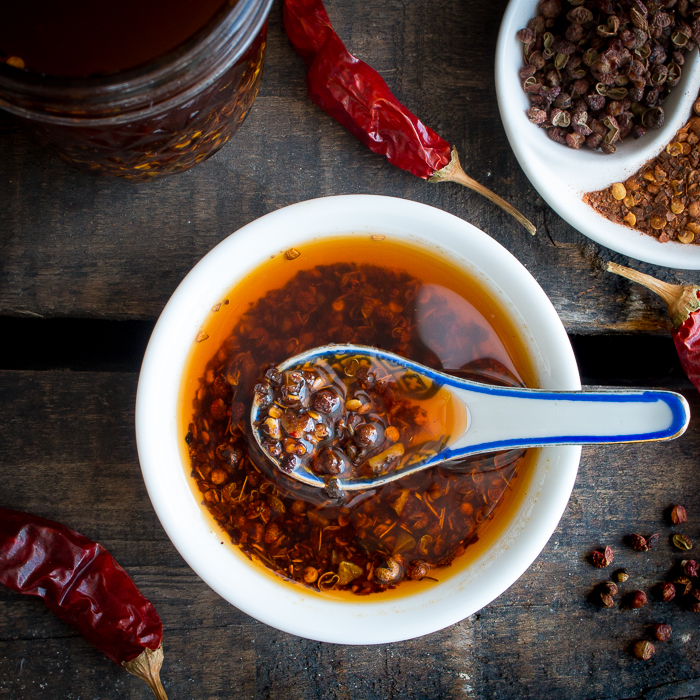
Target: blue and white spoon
501,418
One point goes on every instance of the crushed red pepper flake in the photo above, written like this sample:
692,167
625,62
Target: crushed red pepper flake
662,199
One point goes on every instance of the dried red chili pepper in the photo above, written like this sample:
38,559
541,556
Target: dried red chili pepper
80,582
683,302
355,95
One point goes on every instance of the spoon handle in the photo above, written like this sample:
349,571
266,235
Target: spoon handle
501,418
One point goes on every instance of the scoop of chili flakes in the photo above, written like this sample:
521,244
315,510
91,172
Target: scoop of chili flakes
662,198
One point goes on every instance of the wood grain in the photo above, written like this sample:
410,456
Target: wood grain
69,454
75,246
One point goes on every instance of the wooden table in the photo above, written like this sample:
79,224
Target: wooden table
86,266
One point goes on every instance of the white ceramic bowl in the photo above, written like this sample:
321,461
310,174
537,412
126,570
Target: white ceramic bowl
287,606
563,175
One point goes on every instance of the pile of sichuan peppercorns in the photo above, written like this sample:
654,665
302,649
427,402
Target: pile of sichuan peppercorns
597,71
310,418
679,584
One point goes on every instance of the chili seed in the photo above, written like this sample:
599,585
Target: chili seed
391,433
390,572
622,575
677,206
466,508
618,191
310,574
272,428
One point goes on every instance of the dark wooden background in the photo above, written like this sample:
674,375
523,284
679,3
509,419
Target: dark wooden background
86,265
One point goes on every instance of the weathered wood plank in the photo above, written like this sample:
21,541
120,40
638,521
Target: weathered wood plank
71,245
69,454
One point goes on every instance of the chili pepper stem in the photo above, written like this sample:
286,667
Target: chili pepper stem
146,666
453,172
681,300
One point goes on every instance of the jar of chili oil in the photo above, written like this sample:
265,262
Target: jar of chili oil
90,86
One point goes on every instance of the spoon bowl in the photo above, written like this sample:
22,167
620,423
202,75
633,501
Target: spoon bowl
463,418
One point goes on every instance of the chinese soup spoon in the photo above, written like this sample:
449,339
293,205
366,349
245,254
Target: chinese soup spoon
350,417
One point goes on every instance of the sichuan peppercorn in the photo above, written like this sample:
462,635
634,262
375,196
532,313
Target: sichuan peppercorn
666,591
601,559
418,570
662,631
690,567
594,87
678,515
637,599
638,543
643,650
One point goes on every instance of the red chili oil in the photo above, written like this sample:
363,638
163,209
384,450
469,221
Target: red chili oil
80,38
405,534
113,100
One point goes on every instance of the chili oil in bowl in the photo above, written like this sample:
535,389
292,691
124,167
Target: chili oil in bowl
563,175
386,272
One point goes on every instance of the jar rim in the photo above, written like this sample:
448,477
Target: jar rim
142,90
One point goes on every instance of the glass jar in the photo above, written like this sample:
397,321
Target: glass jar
159,119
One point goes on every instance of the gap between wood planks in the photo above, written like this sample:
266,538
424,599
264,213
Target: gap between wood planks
94,345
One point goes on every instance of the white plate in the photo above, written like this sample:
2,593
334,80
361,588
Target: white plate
563,175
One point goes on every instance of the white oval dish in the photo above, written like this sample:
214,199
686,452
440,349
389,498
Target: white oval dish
289,607
563,175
